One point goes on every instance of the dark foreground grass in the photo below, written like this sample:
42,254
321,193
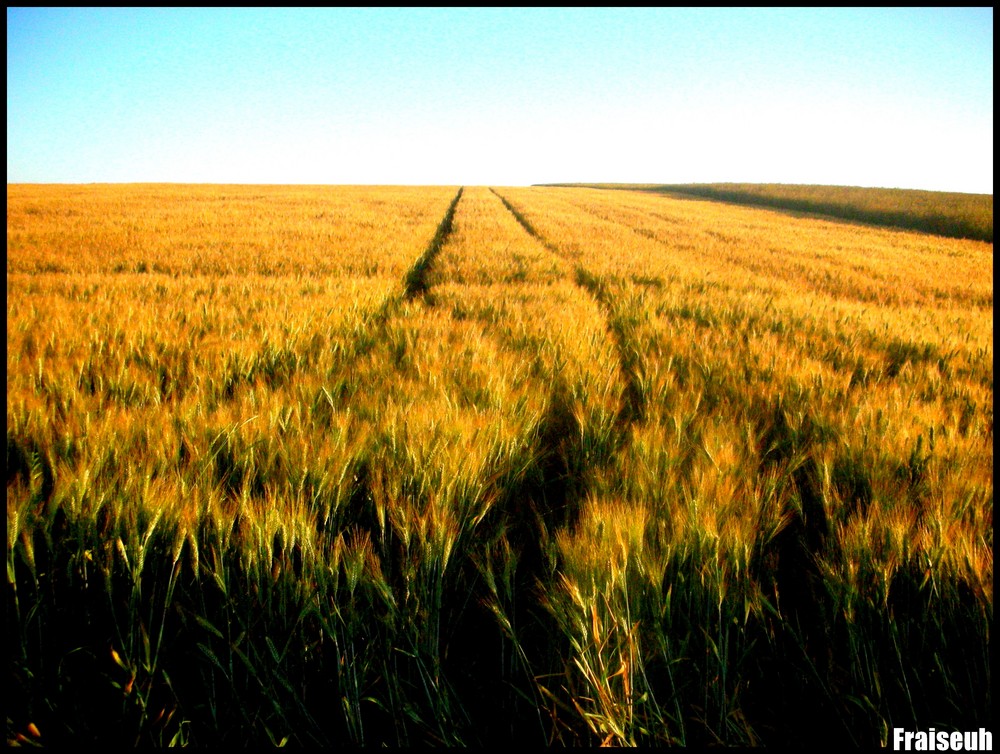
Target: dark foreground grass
131,643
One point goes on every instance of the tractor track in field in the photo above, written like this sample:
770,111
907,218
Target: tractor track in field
415,282
618,323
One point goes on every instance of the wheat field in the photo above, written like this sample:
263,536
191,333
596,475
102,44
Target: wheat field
454,466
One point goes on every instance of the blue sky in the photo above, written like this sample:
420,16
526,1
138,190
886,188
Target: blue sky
867,97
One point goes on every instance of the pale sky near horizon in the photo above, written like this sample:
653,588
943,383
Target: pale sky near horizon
895,97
